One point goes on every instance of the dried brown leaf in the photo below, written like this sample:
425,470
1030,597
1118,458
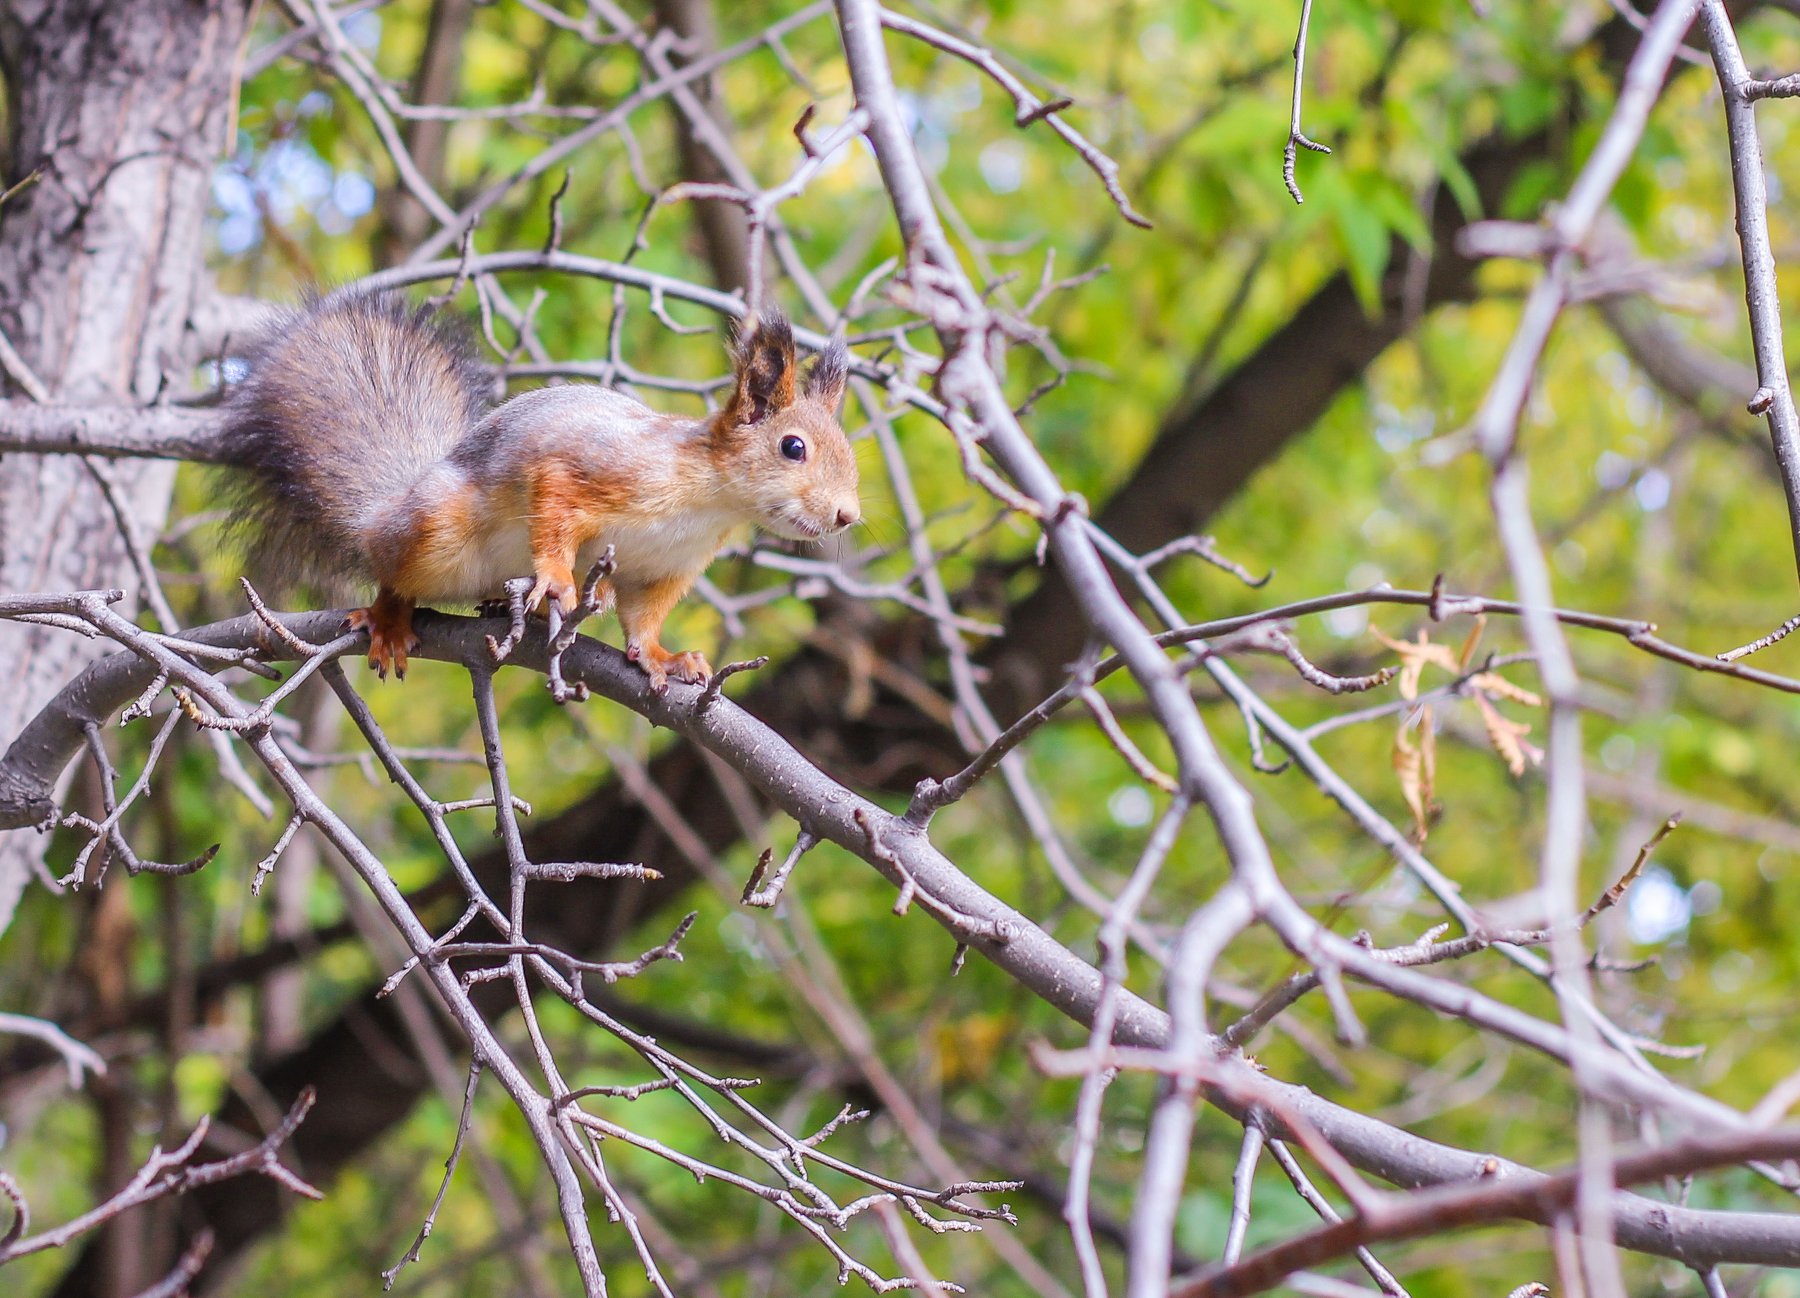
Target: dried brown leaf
1427,761
1508,737
1466,654
1414,655
1498,686
1416,767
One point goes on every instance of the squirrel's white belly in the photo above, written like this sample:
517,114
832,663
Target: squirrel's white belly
484,564
649,552
643,554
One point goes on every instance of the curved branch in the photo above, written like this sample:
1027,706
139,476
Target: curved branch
1481,1203
1774,398
900,852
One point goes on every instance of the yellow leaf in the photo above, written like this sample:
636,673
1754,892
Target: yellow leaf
1416,765
1408,767
1427,762
1414,654
1467,655
1508,737
1495,684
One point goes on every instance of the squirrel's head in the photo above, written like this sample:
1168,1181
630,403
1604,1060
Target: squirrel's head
780,438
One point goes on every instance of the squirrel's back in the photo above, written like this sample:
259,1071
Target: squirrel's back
348,400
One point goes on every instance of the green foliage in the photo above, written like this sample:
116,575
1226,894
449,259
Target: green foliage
1647,512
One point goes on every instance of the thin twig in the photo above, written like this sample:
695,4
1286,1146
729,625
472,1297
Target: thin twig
1296,139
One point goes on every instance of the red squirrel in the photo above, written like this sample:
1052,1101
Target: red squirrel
374,460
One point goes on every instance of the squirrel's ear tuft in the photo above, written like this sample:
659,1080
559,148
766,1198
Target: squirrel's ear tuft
825,381
766,370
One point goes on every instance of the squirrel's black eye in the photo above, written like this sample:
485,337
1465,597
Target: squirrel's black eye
794,447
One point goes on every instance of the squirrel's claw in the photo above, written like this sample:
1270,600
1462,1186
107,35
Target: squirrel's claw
661,666
690,667
558,587
391,636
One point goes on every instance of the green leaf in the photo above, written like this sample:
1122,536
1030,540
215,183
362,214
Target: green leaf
1449,164
1362,235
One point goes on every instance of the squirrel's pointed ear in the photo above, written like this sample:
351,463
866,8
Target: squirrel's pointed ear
825,381
766,370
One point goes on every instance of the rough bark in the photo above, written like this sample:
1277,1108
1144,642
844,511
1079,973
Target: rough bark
118,105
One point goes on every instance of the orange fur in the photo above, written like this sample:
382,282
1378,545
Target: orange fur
642,612
432,549
767,377
545,481
569,507
389,623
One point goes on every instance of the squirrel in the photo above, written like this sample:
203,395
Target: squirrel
371,459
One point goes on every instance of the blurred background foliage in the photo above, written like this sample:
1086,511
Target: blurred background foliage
1652,508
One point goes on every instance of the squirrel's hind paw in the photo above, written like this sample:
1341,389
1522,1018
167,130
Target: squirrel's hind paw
391,636
661,666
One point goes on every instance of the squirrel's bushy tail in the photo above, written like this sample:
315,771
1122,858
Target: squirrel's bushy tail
348,400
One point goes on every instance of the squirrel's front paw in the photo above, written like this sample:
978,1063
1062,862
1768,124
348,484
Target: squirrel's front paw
391,637
661,666
559,587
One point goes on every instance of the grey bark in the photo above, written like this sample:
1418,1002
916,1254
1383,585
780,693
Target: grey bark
969,913
119,105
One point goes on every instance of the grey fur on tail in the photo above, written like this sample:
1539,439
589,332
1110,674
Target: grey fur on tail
347,401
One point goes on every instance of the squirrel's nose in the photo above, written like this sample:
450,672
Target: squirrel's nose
847,517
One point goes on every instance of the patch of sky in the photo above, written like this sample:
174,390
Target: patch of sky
1657,908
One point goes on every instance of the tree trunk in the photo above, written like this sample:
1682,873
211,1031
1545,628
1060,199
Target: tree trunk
436,82
118,106
724,229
